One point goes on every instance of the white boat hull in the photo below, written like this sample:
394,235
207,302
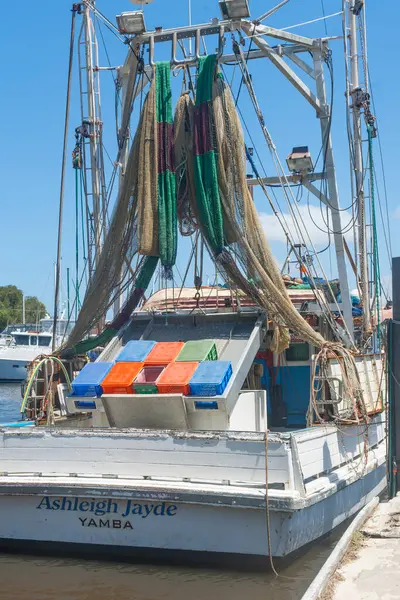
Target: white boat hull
159,525
14,361
13,370
129,490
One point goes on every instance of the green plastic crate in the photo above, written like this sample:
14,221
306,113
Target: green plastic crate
145,388
198,351
146,380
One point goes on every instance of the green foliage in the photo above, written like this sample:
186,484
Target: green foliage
11,307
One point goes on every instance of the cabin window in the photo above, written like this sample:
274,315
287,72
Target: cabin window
21,340
298,352
34,339
44,340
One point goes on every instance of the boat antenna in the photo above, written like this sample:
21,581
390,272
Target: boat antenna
63,170
190,24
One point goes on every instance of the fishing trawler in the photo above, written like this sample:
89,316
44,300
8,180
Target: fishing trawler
242,418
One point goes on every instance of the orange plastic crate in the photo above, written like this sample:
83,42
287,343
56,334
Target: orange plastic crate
120,378
176,377
164,353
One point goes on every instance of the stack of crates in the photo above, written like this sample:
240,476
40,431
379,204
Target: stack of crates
147,380
147,367
161,355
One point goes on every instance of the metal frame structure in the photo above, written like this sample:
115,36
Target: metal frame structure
355,95
293,45
288,49
91,129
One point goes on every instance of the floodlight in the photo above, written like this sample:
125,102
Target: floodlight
299,160
131,22
234,9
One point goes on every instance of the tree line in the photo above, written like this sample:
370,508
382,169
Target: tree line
11,302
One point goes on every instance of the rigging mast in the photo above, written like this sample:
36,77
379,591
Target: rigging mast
91,136
357,98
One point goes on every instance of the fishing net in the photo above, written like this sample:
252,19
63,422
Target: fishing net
185,186
157,223
167,223
147,184
144,217
104,285
226,212
145,273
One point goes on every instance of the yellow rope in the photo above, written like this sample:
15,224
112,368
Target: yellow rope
34,375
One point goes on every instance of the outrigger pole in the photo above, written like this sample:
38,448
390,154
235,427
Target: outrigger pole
63,170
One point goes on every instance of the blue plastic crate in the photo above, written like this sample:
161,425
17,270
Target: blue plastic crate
85,404
135,351
211,378
206,405
87,383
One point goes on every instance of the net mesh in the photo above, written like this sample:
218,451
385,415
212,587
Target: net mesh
144,217
105,282
185,185
227,215
145,144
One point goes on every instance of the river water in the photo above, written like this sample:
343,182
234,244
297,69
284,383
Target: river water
26,577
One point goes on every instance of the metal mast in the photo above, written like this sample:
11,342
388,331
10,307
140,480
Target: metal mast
62,185
91,131
124,75
354,8
334,203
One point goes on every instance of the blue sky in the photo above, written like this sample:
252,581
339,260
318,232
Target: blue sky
34,55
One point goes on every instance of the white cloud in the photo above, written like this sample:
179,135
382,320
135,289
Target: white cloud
310,219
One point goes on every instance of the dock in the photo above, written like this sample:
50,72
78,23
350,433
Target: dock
372,571
364,564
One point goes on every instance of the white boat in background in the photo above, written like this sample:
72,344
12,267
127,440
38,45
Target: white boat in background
5,336
23,346
5,339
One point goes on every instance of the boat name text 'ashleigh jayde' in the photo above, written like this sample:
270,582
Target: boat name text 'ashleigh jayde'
100,508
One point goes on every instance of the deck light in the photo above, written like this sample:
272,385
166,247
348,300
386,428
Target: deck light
131,22
234,9
299,160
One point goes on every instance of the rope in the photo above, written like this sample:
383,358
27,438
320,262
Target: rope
324,18
351,385
267,512
82,221
77,303
377,275
62,186
297,219
35,373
